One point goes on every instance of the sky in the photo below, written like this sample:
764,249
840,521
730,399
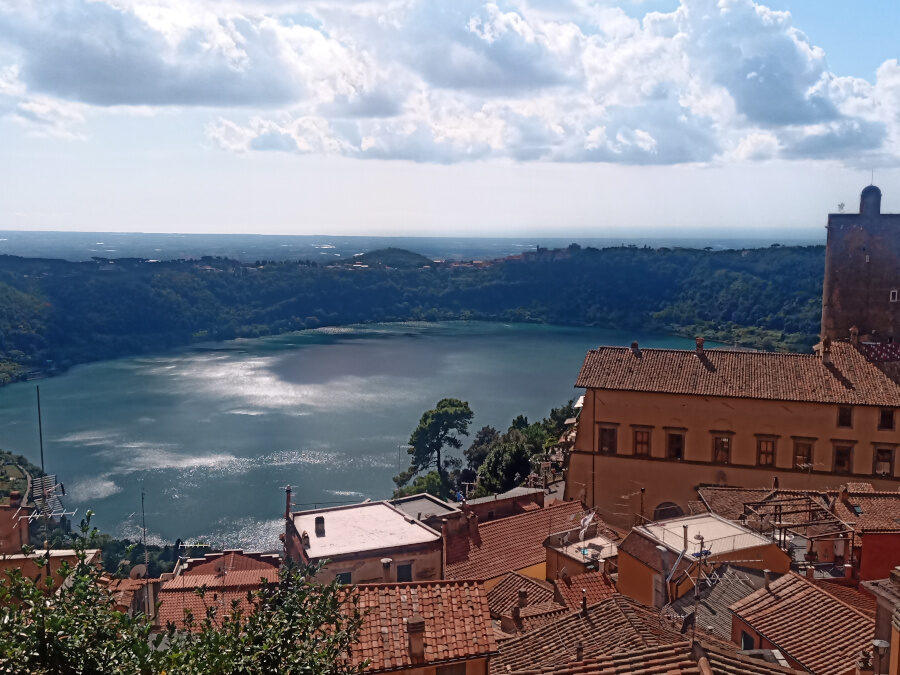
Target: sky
446,117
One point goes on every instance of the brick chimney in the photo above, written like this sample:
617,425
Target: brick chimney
320,526
826,350
386,570
523,597
415,629
579,651
810,572
854,335
699,341
584,600
767,575
635,349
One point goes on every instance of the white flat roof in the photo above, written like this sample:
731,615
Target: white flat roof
585,550
719,535
361,527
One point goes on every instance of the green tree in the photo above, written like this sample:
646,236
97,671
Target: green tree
442,426
292,626
480,447
506,466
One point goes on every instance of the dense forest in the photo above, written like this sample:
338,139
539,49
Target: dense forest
55,313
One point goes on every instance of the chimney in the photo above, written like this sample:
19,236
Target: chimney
415,628
472,522
685,538
584,600
767,575
854,335
320,526
579,651
635,349
516,613
386,570
826,350
848,571
845,495
775,483
523,597
699,342
810,572
15,499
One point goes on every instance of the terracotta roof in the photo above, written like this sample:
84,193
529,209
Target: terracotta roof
123,590
540,615
240,578
615,624
234,560
644,549
674,659
506,544
855,597
174,605
808,624
852,379
598,586
728,502
457,622
869,511
505,594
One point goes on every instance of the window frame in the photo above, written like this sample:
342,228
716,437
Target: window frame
883,448
339,577
641,429
893,295
841,410
728,437
838,446
679,432
405,564
602,427
881,415
760,440
798,441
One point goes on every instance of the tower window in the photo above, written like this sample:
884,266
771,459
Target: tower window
675,445
721,449
803,455
606,440
886,418
884,461
765,450
845,416
894,295
642,442
843,459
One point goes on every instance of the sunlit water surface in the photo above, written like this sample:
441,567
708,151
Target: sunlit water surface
214,433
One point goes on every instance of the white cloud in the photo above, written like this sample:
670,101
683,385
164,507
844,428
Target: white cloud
455,80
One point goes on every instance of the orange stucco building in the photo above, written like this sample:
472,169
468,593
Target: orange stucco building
658,423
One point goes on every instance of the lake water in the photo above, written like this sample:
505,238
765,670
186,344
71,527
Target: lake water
214,433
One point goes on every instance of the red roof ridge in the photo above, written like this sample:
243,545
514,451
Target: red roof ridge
429,582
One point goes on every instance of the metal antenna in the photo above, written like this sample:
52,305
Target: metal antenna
40,426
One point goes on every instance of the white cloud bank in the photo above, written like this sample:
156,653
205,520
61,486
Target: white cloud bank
453,80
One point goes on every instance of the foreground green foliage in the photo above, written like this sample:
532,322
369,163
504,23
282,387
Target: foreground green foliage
57,313
294,626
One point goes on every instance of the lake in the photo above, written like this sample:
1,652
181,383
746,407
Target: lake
213,433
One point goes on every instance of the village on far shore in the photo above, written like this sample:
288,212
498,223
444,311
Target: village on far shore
710,510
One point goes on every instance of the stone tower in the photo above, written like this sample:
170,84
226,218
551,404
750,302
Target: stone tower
862,273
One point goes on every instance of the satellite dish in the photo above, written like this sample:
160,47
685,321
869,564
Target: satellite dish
138,572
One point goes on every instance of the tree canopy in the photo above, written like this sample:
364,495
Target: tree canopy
438,428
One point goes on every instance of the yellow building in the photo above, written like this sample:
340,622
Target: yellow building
658,423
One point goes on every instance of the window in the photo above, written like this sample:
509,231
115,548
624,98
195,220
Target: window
675,445
843,456
642,442
845,416
606,440
803,455
721,449
894,296
451,669
342,577
765,451
886,418
747,641
404,572
884,461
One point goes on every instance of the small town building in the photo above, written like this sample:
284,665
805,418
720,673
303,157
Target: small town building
487,551
364,543
887,628
588,588
425,628
510,503
581,549
226,578
517,590
660,561
53,560
815,630
427,509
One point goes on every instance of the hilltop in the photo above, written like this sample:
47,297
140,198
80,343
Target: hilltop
56,313
396,258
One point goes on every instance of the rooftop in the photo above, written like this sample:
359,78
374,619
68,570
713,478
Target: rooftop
457,622
231,561
424,506
672,659
852,378
615,624
369,526
719,535
509,494
596,586
808,624
507,544
505,594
